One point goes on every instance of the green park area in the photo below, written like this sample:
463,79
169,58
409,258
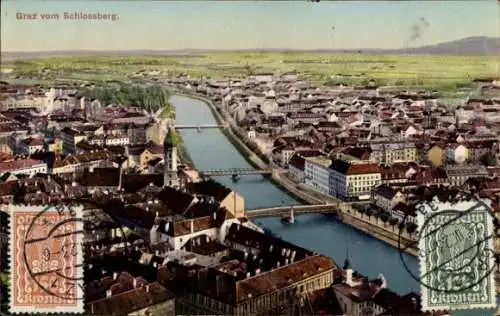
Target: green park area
446,74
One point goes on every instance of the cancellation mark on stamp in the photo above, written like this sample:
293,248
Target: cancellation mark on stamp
455,240
46,259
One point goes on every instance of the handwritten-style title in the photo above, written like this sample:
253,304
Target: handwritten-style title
72,16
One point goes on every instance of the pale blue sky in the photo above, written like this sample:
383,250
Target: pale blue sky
245,24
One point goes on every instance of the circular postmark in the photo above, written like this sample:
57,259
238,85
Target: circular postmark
454,242
53,248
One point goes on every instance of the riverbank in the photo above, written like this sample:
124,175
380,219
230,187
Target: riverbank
182,151
166,114
349,216
243,149
346,213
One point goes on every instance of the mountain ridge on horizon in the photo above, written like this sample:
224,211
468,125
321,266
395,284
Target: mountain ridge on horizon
475,45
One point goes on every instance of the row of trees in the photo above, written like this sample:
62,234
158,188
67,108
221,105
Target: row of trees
150,98
251,144
387,219
241,134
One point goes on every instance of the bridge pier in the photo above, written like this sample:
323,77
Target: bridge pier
289,219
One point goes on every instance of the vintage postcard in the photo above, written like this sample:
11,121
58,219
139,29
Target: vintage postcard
250,157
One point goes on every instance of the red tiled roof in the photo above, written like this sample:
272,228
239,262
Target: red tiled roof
33,141
347,168
270,281
18,164
130,301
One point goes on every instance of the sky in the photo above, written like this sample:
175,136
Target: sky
171,25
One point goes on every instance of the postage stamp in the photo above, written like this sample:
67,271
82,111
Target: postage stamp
46,259
456,255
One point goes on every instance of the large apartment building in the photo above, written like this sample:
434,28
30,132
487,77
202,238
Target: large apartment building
317,173
350,180
387,153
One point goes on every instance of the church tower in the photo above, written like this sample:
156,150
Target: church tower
171,178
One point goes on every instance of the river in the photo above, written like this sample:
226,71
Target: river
210,149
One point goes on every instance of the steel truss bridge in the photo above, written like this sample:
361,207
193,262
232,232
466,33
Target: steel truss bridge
297,210
200,126
233,172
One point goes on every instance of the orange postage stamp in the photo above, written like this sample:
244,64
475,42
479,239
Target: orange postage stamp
46,259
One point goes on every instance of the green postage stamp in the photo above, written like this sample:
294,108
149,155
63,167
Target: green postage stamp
456,254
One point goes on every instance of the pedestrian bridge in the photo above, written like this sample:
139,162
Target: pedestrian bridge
297,210
233,172
199,126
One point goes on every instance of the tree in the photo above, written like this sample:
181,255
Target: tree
489,159
361,211
369,213
401,226
393,222
411,227
384,217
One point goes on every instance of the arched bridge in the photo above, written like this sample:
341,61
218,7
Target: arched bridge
297,210
233,171
200,126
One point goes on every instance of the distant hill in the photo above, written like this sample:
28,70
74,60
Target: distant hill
477,45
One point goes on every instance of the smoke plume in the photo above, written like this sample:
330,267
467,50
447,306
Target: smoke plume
416,30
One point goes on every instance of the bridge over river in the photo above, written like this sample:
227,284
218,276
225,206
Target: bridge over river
329,208
213,151
233,172
200,126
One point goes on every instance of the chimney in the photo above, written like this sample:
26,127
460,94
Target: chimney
278,264
147,288
108,293
248,274
286,261
135,282
257,271
115,275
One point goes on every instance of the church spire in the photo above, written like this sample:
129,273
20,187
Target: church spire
347,263
170,158
170,138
